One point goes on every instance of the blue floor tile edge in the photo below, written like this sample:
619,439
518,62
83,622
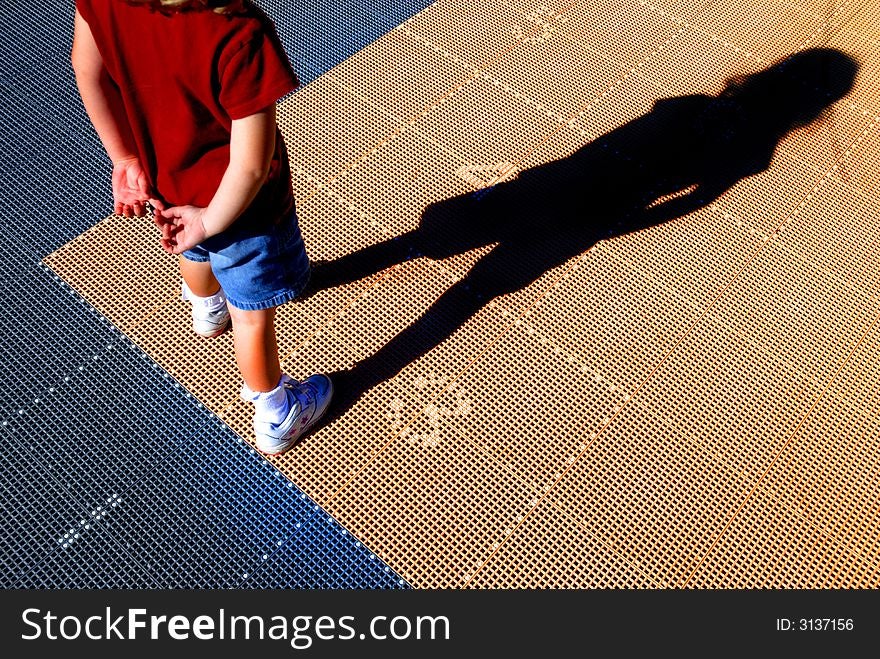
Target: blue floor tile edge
211,513
69,458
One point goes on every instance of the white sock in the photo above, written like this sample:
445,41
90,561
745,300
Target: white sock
269,406
212,303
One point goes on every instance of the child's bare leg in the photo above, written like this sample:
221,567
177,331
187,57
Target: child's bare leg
283,409
199,277
256,350
201,288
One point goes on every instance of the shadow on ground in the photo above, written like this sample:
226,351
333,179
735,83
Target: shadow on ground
681,156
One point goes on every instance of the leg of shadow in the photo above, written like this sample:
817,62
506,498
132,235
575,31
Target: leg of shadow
509,267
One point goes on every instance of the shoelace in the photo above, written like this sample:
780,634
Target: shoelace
306,399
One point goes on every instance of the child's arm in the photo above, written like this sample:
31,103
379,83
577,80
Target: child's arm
251,146
105,109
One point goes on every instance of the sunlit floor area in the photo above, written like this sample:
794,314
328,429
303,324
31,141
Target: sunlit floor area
597,284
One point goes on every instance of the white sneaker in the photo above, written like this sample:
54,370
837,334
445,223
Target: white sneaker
210,315
307,401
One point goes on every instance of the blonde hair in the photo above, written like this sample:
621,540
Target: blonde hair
170,6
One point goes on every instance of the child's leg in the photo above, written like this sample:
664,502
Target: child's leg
256,350
201,288
199,277
284,408
264,267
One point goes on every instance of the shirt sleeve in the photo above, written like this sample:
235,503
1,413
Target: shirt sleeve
85,10
255,77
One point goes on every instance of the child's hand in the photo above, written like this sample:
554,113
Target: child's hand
166,226
182,227
130,189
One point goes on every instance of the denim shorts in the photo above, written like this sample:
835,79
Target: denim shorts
259,267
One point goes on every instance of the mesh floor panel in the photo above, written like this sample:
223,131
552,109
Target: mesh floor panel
690,403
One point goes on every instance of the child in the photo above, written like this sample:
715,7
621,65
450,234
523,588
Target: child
182,94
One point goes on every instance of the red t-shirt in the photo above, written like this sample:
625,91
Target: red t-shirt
183,78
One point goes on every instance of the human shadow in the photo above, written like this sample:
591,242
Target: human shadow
679,157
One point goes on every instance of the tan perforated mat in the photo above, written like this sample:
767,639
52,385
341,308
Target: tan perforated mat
692,403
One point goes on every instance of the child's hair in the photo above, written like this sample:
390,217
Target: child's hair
168,6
